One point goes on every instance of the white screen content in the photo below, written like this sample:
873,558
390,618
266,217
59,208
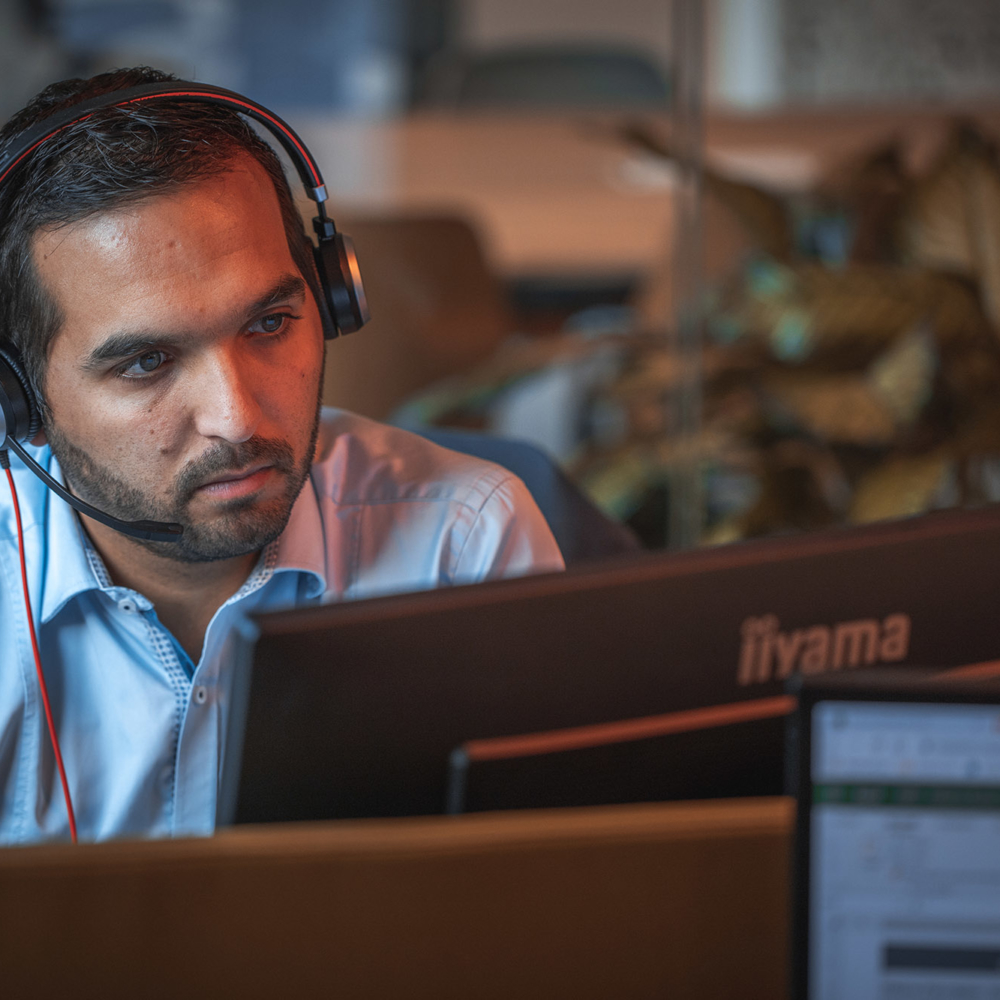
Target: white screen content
905,852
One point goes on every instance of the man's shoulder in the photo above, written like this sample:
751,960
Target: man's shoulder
362,461
399,512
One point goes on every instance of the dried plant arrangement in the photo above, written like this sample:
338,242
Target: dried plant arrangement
851,355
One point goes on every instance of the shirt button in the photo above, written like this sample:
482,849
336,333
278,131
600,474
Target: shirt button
128,605
200,695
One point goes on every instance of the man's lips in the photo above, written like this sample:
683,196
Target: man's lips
239,483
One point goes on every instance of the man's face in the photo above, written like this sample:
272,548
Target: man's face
184,382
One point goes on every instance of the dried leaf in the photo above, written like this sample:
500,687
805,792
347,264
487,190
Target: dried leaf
903,377
953,222
900,487
765,216
841,409
844,318
873,191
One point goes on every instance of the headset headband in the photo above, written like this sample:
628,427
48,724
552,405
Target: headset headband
344,305
200,93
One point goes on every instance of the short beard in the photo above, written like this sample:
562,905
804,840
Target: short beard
243,526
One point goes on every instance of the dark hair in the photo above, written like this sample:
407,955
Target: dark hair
115,156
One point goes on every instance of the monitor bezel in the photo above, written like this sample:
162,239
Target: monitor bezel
923,686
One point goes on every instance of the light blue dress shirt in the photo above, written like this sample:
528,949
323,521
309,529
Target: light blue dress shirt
141,727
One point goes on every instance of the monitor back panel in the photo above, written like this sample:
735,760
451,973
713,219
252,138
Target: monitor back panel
354,709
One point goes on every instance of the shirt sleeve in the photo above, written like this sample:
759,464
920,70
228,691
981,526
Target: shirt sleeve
509,537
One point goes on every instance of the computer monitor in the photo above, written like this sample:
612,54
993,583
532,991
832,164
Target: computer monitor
897,875
656,677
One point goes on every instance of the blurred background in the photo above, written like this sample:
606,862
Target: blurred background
733,266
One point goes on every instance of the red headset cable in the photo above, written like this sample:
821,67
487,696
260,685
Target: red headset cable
5,465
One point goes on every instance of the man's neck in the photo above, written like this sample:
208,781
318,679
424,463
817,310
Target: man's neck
185,595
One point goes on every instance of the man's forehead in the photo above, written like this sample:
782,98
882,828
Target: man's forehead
199,248
243,179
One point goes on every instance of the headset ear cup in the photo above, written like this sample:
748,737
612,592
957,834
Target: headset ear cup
317,283
340,277
20,413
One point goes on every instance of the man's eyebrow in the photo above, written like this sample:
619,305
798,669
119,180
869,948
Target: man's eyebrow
121,345
125,345
288,286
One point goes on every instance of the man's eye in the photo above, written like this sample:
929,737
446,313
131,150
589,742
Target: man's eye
270,324
145,364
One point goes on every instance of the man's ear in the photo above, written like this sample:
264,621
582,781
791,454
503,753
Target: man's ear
40,438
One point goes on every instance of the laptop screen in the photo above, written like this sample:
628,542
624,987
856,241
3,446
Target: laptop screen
904,845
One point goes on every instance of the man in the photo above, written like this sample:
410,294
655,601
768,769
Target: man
156,286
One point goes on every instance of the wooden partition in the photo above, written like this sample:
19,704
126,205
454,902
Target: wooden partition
675,900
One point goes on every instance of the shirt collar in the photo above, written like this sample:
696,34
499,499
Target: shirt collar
72,566
302,545
69,570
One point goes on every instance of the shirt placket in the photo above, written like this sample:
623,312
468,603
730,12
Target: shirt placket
203,718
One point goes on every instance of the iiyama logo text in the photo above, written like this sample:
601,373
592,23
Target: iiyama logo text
767,653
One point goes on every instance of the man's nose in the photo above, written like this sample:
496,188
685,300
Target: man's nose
225,402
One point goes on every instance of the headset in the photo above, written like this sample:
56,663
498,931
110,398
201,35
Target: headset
342,302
